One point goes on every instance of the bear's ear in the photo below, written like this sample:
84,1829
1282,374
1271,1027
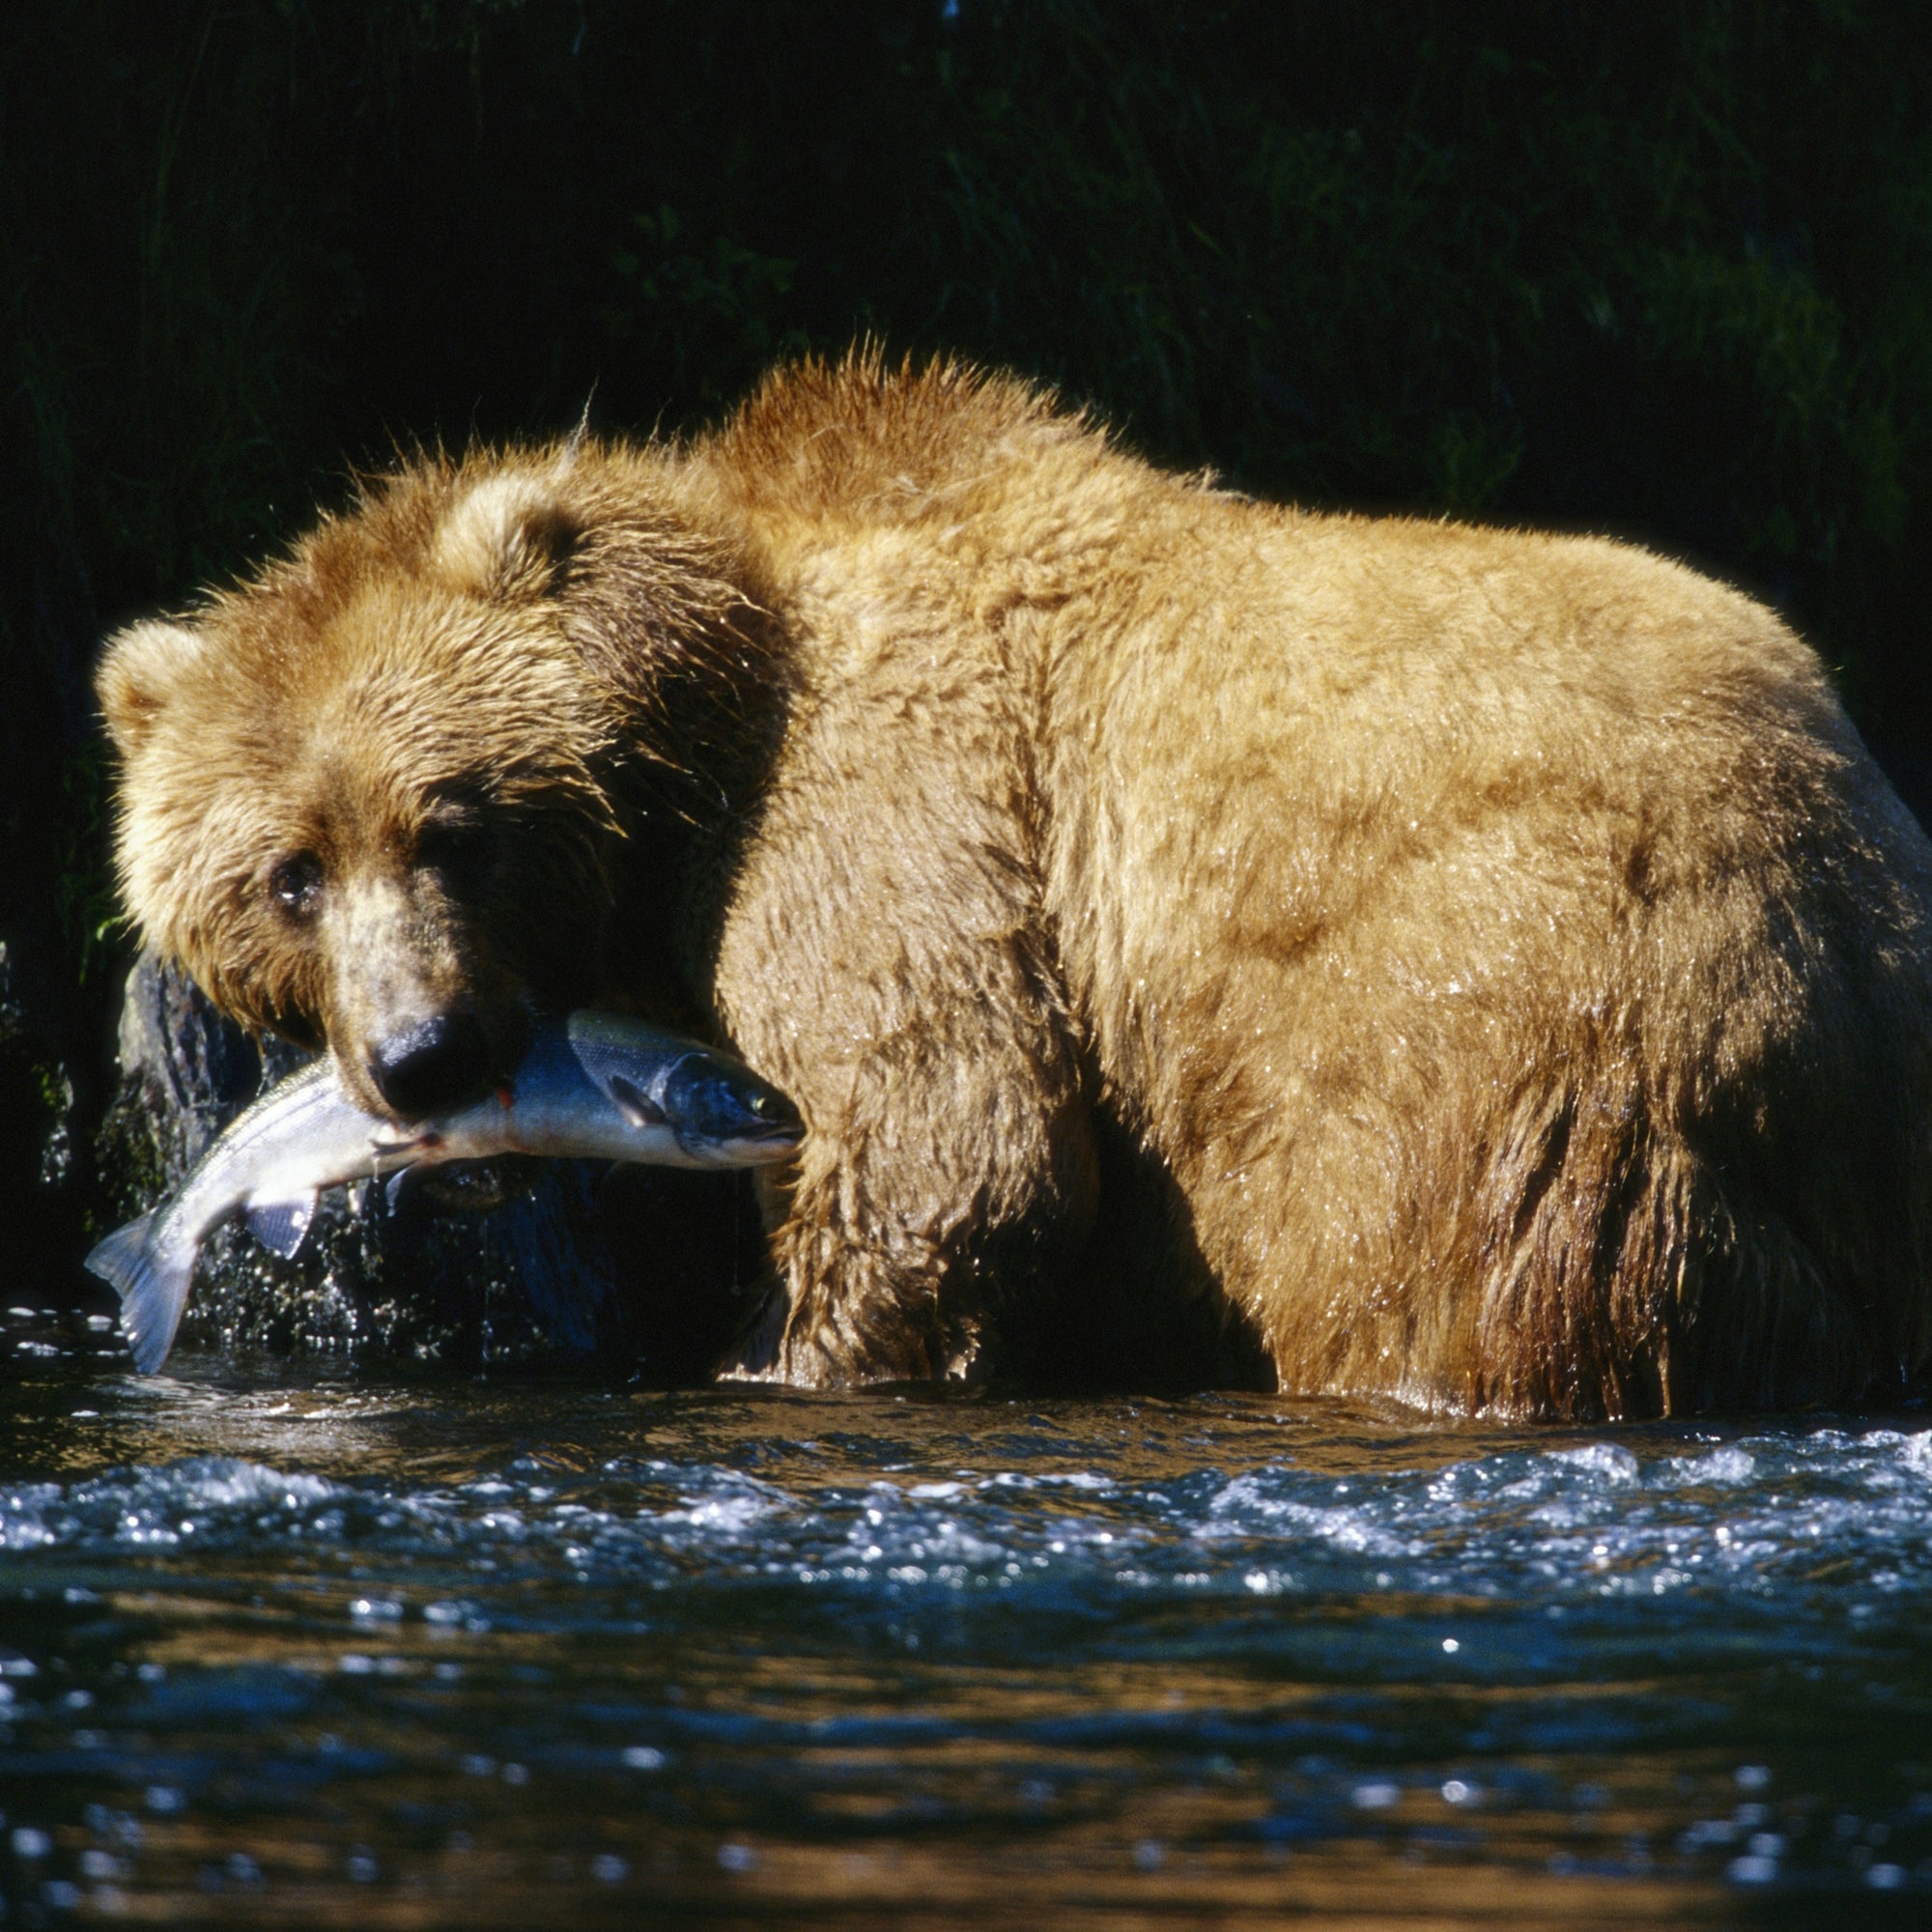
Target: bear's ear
137,671
504,537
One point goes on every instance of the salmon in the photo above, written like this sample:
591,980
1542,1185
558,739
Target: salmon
592,1086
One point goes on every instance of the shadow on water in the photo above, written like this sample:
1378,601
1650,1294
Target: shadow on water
319,1652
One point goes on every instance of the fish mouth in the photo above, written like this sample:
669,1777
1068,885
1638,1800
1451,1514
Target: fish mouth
758,1144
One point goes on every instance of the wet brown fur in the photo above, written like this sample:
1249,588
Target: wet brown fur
1495,951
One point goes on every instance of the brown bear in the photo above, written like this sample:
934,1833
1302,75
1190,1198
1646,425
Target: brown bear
1475,968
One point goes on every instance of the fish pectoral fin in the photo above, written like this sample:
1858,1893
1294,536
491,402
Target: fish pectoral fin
282,1225
635,1104
401,1187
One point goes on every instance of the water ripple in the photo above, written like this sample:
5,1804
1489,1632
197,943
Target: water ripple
732,1646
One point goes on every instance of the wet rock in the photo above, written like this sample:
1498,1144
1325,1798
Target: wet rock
638,1271
37,1134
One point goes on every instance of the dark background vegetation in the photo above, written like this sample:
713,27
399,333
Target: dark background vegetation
1663,269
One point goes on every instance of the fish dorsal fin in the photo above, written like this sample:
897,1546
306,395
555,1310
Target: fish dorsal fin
282,1225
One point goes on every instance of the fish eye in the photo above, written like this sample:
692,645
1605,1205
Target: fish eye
296,883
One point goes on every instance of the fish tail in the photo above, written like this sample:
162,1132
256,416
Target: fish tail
151,1290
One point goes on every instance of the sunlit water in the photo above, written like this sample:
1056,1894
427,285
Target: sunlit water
533,1653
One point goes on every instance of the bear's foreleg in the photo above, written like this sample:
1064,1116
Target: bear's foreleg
885,960
946,1179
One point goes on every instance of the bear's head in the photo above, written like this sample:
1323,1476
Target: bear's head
378,794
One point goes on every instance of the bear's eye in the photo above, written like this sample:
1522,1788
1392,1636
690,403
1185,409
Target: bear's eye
458,845
296,883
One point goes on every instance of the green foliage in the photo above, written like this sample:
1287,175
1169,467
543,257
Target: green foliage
1507,233
87,908
714,315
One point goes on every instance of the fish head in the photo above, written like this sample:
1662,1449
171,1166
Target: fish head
724,1115
681,1102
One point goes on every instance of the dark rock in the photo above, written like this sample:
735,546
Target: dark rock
37,1211
640,1272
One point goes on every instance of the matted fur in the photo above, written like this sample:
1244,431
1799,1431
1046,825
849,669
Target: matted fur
1482,968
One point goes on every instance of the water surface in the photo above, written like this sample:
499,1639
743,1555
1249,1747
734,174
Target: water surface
530,1653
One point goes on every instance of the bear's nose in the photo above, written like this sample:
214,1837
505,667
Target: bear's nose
433,1066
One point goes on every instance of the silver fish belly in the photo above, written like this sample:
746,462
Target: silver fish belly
592,1085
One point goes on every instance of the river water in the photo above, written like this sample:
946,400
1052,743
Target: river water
529,1653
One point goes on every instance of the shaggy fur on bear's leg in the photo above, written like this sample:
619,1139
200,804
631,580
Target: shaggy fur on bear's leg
910,1005
903,1243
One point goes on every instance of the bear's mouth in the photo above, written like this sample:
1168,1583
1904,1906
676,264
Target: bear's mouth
431,1066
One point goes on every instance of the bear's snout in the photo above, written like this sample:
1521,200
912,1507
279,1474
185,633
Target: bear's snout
433,1066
